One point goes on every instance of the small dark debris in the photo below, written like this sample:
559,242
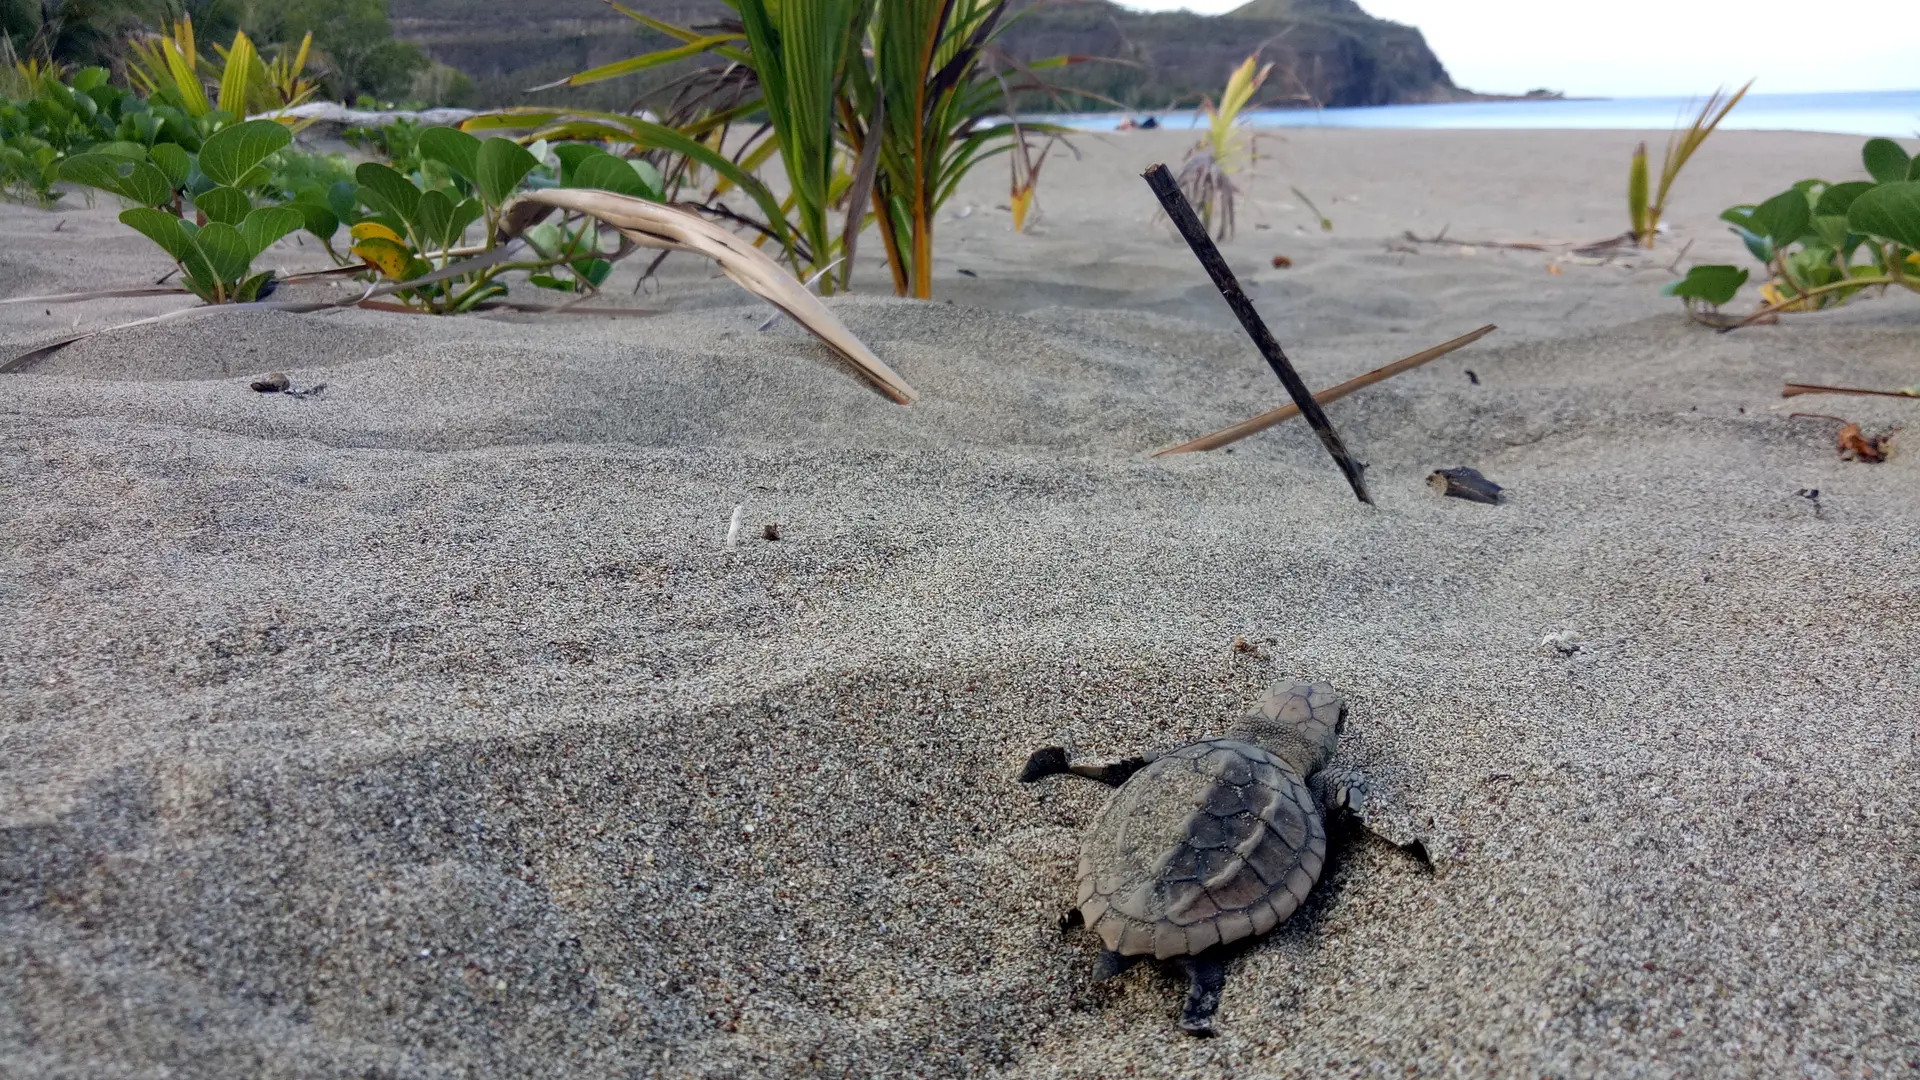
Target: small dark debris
276,383
1472,378
1465,483
968,273
771,531
1281,262
62,224
311,391
1044,762
1071,919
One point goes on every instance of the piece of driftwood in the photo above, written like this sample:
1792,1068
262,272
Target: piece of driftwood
1228,435
1796,389
1180,212
651,225
1465,483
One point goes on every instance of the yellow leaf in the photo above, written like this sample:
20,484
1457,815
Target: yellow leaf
1022,202
370,229
390,258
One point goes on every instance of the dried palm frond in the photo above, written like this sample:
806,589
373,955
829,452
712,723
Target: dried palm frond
651,225
1680,147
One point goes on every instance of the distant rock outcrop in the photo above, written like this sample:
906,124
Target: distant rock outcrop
1325,52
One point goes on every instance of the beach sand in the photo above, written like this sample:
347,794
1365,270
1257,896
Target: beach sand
425,729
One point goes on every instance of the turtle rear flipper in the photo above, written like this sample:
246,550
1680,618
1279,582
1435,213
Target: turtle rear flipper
1206,975
1110,964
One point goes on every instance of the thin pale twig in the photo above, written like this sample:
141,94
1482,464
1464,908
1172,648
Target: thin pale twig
1228,435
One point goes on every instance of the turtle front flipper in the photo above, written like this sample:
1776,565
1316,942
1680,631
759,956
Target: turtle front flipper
1206,976
1353,800
1053,761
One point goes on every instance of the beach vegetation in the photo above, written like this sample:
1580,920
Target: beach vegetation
874,111
199,207
415,226
1824,243
1643,210
1206,175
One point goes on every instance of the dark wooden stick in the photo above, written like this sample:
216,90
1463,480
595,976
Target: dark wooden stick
1180,212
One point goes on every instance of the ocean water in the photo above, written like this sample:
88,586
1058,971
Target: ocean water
1892,113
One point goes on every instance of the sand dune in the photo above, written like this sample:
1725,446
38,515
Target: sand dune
423,728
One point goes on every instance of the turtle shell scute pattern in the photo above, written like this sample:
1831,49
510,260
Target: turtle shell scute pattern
1216,841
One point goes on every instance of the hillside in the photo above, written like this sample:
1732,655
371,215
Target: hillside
1326,52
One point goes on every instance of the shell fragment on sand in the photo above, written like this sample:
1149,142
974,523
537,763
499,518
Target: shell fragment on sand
652,225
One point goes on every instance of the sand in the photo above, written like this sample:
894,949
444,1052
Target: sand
425,729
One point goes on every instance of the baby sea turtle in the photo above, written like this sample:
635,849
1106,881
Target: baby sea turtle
1208,844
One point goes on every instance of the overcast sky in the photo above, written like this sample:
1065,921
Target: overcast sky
1655,47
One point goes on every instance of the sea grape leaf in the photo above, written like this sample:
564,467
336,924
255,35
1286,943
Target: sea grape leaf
1758,246
174,236
549,281
571,155
249,290
594,270
230,154
135,181
1836,199
501,164
465,214
431,217
343,198
266,225
125,151
609,173
387,192
226,250
1885,160
316,217
1712,284
230,205
657,188
1831,229
160,227
1783,218
174,162
453,148
546,238
1889,211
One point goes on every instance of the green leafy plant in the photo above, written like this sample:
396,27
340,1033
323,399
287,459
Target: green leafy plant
881,105
411,232
1644,213
214,243
55,119
1812,236
1206,176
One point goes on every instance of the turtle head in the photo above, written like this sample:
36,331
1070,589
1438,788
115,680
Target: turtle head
1299,723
